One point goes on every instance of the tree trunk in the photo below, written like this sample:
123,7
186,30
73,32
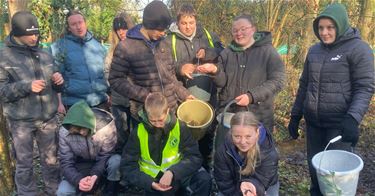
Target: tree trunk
15,6
6,178
365,18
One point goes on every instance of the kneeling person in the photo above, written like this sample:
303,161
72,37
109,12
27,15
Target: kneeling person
86,143
161,155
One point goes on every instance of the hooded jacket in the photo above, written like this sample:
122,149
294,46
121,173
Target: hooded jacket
257,71
191,158
19,66
141,66
228,164
81,156
338,78
81,62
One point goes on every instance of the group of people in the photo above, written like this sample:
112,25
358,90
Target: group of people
120,125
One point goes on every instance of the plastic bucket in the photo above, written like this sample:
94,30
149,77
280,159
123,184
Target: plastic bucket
337,172
197,114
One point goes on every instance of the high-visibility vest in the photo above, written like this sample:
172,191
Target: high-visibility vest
171,154
208,35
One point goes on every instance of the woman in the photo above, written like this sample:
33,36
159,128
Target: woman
335,88
120,104
247,163
249,70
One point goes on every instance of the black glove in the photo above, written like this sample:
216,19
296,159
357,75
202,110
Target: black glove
350,131
293,126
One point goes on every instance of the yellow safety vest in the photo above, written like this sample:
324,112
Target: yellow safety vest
171,154
208,35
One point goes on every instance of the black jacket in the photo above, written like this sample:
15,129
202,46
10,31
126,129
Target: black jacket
227,167
191,158
337,79
258,71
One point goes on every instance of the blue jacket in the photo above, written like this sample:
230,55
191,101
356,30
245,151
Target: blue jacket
81,62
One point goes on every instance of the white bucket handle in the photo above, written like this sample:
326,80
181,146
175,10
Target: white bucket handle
335,139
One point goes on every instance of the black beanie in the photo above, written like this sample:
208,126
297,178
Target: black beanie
24,23
156,16
119,23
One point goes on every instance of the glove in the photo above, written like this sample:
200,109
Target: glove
293,126
350,131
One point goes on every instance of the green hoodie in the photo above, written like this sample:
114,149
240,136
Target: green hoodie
337,12
80,114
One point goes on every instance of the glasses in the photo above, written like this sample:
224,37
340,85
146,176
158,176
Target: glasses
241,30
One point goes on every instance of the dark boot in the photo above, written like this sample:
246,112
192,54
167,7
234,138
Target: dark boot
111,189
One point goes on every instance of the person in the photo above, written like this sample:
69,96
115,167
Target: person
335,87
29,82
192,44
134,75
81,61
161,155
120,107
87,139
247,163
249,70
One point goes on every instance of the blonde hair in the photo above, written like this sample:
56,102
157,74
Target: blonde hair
156,104
252,156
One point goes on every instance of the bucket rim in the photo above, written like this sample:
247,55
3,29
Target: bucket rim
205,125
323,171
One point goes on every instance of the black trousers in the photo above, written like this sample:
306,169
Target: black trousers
317,138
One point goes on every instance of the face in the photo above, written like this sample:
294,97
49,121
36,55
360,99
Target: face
158,121
327,30
187,25
29,40
244,137
156,34
242,32
77,25
79,130
121,33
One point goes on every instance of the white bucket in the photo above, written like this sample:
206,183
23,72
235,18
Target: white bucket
337,172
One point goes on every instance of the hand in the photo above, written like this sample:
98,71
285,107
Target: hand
248,189
187,70
350,131
293,127
84,184
190,97
61,109
57,78
160,187
201,53
93,179
38,85
207,68
243,100
166,179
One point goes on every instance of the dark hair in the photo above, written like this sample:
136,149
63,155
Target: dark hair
186,10
247,17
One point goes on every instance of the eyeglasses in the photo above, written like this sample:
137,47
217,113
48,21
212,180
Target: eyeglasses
241,30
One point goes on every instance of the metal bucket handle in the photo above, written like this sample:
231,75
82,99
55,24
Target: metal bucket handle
225,110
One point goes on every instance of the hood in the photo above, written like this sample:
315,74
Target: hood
80,114
261,38
74,38
10,42
174,29
339,15
135,33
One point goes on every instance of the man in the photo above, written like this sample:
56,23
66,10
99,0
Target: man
193,45
142,63
161,155
28,84
87,139
81,61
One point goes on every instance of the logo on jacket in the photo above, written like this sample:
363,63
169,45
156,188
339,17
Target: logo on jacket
173,142
336,58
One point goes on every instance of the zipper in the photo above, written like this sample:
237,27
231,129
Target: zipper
41,74
319,83
240,176
157,68
88,148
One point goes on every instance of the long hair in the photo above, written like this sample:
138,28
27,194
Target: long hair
252,156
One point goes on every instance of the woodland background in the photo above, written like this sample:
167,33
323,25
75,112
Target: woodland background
290,22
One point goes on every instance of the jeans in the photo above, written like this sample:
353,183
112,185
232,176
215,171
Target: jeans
113,174
121,115
22,134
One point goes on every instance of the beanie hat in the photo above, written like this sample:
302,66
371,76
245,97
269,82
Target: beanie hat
24,23
119,23
80,114
156,16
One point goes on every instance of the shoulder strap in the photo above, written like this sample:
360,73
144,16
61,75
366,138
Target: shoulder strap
174,46
208,35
